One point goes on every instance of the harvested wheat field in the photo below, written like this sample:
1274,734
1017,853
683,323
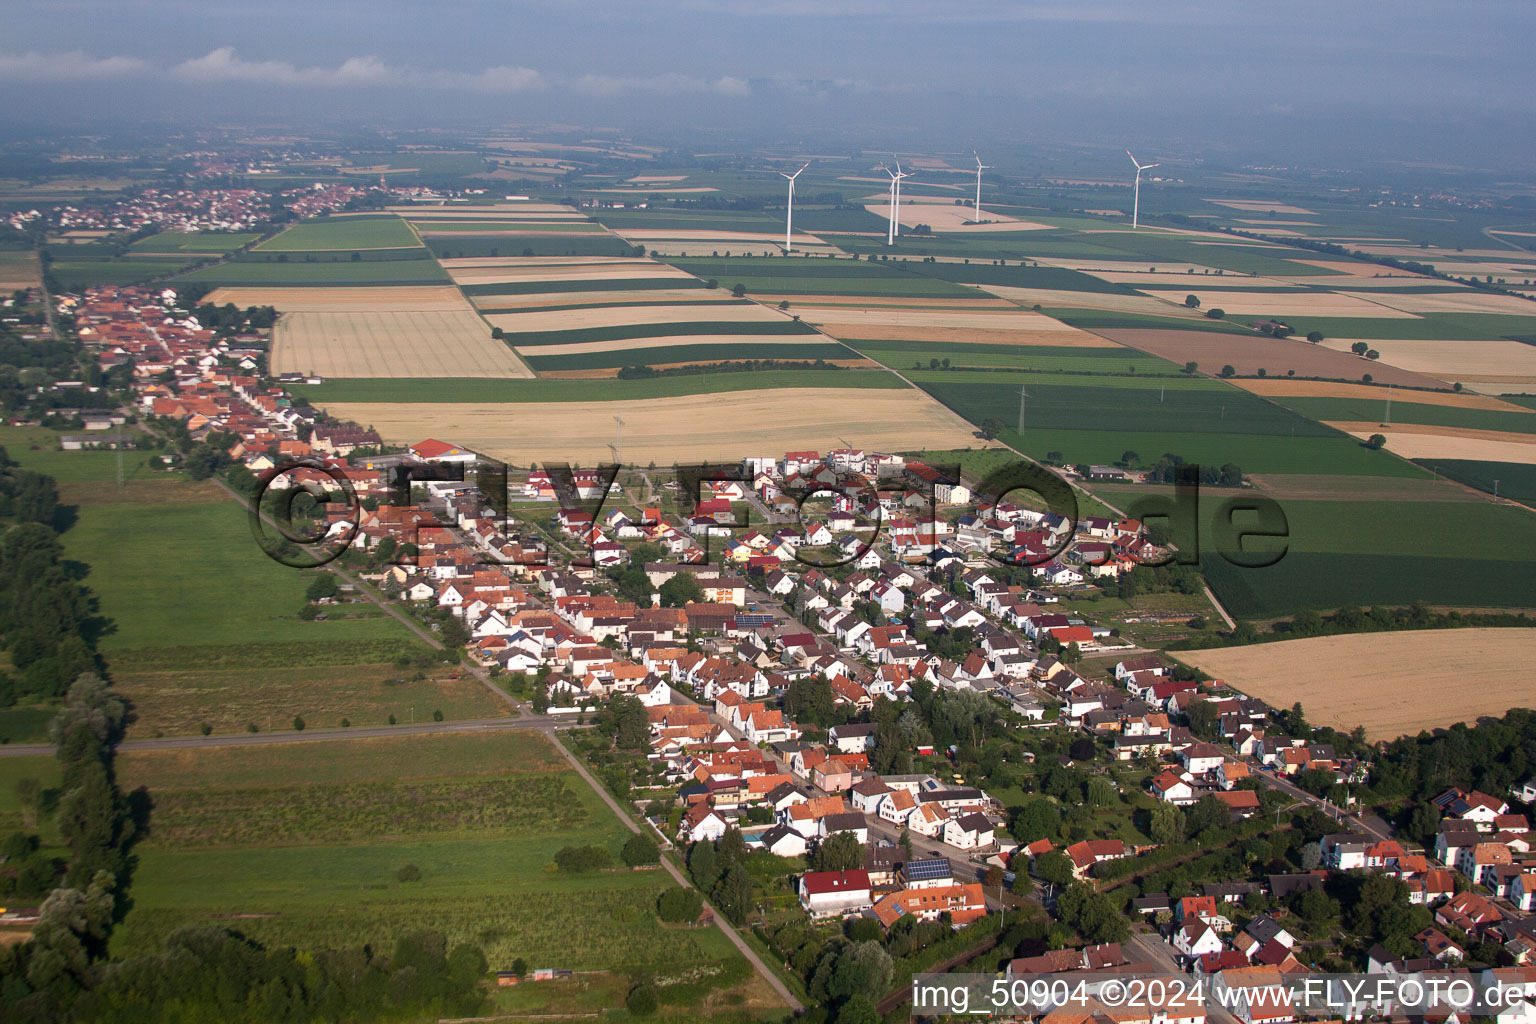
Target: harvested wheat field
1424,441
1260,206
1339,389
1462,300
623,316
428,298
643,190
609,372
1008,319
706,235
374,344
701,297
1140,268
667,341
1304,303
1247,354
703,247
511,232
1391,683
1453,360
980,302
1489,385
1012,326
1195,283
487,213
725,426
637,270
457,262
1060,298
945,216
519,209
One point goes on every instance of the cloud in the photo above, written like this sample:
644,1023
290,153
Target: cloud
224,66
67,67
505,79
671,84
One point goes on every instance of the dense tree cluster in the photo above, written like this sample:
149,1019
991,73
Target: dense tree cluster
720,870
45,614
1492,757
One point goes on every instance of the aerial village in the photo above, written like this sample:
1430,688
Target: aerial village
720,630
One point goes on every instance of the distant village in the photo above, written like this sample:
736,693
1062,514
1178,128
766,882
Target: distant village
714,646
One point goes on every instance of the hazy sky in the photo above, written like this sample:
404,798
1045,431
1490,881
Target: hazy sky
1414,77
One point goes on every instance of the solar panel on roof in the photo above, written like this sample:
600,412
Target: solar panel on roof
927,870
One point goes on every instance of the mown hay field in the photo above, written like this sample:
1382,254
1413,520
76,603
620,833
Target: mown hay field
367,344
1391,683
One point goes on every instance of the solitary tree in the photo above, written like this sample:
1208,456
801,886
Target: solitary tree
1191,366
1377,442
1229,370
1315,336
1192,301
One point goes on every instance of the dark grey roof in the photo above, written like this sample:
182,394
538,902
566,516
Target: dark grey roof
847,822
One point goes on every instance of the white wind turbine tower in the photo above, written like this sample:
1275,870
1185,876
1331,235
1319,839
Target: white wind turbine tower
890,234
979,168
899,176
789,211
1136,202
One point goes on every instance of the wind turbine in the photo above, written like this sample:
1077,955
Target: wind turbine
890,234
1136,202
789,210
899,176
979,168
